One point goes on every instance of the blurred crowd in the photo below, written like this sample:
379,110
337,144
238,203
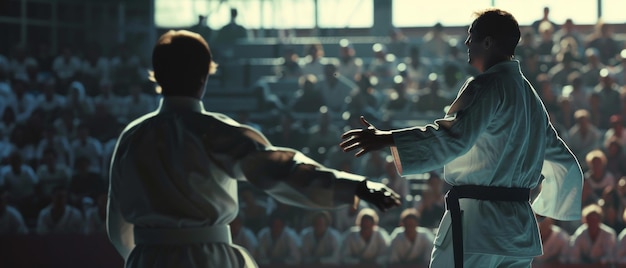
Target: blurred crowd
60,115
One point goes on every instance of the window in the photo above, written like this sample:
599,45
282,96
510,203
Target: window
418,13
613,11
345,13
526,12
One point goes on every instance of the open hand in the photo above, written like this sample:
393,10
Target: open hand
378,194
366,140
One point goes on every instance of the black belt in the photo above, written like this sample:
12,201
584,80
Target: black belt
182,236
480,193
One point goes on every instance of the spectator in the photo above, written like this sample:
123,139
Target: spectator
11,221
532,68
430,99
383,65
410,243
393,180
95,217
289,66
429,208
615,158
254,210
20,179
366,99
278,244
6,147
59,217
583,136
565,66
599,177
349,66
590,72
78,102
320,242
620,252
555,242
365,243
314,62
231,32
373,166
125,68
620,70
308,99
609,102
615,131
94,67
242,235
22,103
569,31
322,135
50,102
19,61
335,88
202,28
435,43
398,101
593,242
575,92
417,68
611,208
288,133
52,173
67,125
109,100
66,68
85,184
536,25
86,146
603,41
59,144
136,104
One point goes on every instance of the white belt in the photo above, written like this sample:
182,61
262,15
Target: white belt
181,236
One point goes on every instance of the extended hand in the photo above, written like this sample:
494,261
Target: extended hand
366,140
378,194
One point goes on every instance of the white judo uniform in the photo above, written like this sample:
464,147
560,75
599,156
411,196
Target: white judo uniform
556,247
496,133
283,250
584,250
176,169
402,250
355,250
324,250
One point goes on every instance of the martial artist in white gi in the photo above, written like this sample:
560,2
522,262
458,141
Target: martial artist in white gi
365,243
174,172
59,217
495,144
555,243
620,251
320,242
410,243
593,242
278,244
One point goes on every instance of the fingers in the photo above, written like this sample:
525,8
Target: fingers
364,122
350,133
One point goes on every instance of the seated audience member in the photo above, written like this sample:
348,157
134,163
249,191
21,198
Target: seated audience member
20,179
593,242
137,103
11,221
555,242
288,133
95,217
278,244
308,99
365,243
431,100
51,173
398,100
599,177
615,158
86,146
335,88
314,61
67,125
429,208
410,243
322,135
345,216
583,136
242,235
288,66
611,208
254,209
620,252
320,242
616,131
59,144
59,217
78,101
349,66
50,102
85,184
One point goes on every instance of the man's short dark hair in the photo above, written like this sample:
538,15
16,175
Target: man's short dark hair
181,60
500,25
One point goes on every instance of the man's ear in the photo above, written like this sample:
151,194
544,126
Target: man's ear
487,43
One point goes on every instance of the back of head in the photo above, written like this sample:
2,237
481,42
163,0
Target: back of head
500,25
181,61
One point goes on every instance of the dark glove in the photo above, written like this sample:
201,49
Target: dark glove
378,194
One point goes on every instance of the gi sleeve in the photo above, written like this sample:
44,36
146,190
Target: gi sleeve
284,173
120,231
561,190
425,148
